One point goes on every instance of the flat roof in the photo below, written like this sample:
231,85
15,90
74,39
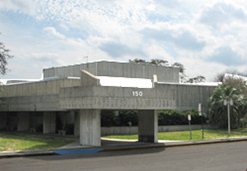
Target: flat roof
125,82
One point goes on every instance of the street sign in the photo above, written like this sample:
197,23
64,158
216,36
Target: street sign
189,117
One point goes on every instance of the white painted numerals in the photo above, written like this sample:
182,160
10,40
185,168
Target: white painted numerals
137,93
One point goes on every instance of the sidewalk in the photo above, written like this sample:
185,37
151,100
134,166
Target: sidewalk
115,145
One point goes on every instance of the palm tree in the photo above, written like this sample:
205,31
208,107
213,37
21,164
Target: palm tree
217,110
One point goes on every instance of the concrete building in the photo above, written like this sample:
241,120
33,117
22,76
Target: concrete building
78,93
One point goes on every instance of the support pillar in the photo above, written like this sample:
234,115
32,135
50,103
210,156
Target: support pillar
49,122
148,126
90,130
77,124
23,122
3,121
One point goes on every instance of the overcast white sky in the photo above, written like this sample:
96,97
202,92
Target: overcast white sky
207,36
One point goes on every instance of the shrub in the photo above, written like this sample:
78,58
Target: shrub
166,117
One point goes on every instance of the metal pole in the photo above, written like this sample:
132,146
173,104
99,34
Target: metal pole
189,119
190,131
201,116
229,119
202,127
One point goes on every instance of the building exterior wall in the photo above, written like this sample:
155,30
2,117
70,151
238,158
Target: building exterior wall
57,93
116,69
74,94
162,96
48,87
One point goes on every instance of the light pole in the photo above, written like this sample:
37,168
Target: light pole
86,57
228,102
200,114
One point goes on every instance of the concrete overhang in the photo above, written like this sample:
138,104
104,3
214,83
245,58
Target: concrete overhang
88,93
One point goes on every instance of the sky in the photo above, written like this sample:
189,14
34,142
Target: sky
207,36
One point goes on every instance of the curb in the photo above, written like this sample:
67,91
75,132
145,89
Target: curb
124,147
134,147
190,143
25,154
173,144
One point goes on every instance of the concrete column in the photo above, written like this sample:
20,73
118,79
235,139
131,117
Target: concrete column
23,122
70,117
90,130
3,121
49,122
148,126
77,124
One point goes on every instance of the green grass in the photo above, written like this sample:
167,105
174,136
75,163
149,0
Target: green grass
22,141
184,135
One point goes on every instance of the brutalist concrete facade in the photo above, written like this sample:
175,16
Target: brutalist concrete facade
116,69
77,89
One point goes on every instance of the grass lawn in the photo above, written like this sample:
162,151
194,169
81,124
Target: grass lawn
184,135
11,141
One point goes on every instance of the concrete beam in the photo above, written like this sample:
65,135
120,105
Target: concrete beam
90,130
88,79
23,122
3,121
148,126
49,122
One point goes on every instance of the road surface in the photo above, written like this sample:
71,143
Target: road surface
214,157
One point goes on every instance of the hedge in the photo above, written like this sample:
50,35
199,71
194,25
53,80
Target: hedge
166,117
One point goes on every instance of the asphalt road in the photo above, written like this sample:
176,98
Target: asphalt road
214,157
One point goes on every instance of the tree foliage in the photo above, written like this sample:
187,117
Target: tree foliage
159,62
166,117
138,61
197,79
4,56
180,66
234,89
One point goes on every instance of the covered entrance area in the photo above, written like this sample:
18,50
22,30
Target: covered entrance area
90,127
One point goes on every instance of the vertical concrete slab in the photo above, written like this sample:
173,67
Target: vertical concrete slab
49,122
23,122
77,124
148,126
3,121
90,130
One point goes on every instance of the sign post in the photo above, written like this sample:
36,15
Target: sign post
189,119
228,102
200,114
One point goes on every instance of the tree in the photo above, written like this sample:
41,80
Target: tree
138,61
159,62
197,79
220,77
4,56
235,89
180,66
